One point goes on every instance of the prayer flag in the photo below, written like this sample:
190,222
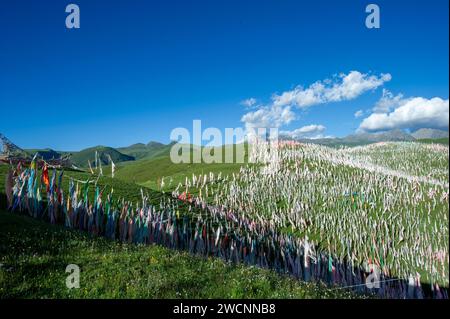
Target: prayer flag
45,178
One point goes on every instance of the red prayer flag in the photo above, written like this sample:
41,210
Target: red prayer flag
45,178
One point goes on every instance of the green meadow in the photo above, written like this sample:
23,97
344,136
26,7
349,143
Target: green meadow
34,256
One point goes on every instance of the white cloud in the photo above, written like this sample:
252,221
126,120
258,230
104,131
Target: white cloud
359,113
268,117
343,87
388,102
340,88
412,113
309,131
249,102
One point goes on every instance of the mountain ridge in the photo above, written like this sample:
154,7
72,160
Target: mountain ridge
154,149
428,133
396,135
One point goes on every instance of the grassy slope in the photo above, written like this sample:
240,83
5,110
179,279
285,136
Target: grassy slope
146,151
444,140
148,172
81,158
123,189
34,254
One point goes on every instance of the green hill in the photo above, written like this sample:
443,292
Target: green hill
146,151
148,172
81,158
138,150
46,154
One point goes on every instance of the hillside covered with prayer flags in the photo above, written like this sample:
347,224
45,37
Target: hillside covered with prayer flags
319,214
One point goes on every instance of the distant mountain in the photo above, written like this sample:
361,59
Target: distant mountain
428,133
146,151
363,138
46,154
394,135
122,154
138,150
81,158
154,150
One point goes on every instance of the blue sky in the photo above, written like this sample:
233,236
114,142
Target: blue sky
137,69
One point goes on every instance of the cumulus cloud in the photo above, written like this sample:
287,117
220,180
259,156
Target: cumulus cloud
388,102
279,111
249,102
411,113
340,88
359,113
268,117
309,131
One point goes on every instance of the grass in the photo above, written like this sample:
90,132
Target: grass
149,172
147,151
34,256
323,187
81,158
129,191
443,140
